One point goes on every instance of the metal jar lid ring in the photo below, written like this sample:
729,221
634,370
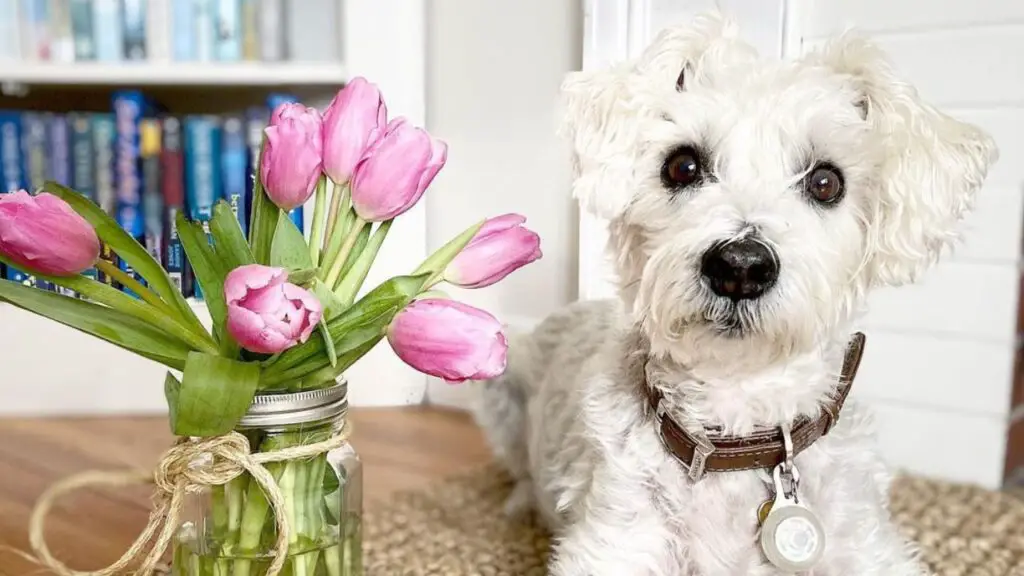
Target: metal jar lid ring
297,407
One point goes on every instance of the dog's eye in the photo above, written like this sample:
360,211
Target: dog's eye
682,168
824,184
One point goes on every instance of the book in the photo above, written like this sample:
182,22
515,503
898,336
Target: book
133,29
202,172
172,185
272,26
62,44
183,23
103,136
81,30
158,30
129,108
311,30
256,119
298,218
204,21
107,30
228,25
59,157
10,31
250,29
234,169
34,151
35,30
83,162
13,172
150,135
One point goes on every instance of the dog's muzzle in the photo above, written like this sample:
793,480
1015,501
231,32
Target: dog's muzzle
741,269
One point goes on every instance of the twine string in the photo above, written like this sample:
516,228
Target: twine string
186,467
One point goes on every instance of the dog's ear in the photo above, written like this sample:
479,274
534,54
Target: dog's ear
599,122
605,109
932,165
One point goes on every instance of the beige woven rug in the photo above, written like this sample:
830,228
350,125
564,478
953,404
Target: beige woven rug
456,528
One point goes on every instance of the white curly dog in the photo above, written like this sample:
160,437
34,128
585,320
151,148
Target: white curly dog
752,204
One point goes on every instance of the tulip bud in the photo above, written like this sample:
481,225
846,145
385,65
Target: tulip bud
292,156
501,247
449,340
396,171
44,235
266,314
353,122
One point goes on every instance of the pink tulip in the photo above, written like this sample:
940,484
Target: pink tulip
43,234
501,247
354,121
449,340
396,171
293,155
266,314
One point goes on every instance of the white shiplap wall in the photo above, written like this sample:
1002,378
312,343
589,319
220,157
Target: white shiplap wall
940,355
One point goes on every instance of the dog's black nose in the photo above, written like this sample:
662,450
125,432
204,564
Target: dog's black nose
740,270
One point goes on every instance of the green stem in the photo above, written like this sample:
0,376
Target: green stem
122,277
337,192
354,278
104,294
316,234
346,247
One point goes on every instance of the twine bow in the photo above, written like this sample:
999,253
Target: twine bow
188,466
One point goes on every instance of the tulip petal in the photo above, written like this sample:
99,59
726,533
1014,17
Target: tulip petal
44,234
241,280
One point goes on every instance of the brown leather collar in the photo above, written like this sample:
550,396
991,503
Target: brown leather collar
762,449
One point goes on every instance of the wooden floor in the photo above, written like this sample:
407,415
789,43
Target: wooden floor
401,449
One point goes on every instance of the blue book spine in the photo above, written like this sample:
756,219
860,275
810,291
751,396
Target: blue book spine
229,30
256,120
13,172
133,31
129,107
234,157
103,133
202,172
60,161
183,19
298,218
204,19
34,149
107,30
81,30
172,177
152,200
60,149
83,162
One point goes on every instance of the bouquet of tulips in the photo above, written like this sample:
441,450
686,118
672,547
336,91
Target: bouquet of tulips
286,312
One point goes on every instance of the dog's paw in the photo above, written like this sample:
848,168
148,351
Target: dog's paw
520,501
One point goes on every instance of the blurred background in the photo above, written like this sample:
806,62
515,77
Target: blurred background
187,83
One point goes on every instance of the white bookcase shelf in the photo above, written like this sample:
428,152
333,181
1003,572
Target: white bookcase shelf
174,73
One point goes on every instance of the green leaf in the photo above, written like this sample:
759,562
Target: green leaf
353,280
354,339
228,239
128,249
358,249
440,259
327,374
210,273
333,307
100,321
289,248
215,393
172,390
332,354
376,308
302,277
265,215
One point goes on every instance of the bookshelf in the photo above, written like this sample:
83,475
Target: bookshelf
177,74
48,368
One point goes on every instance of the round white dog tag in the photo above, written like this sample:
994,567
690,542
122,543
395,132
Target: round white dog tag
792,537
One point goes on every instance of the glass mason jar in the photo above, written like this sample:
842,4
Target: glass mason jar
230,530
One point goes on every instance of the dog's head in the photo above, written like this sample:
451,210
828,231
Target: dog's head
756,200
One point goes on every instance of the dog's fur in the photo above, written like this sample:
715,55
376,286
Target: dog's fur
568,419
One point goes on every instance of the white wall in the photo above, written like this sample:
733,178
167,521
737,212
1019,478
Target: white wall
493,72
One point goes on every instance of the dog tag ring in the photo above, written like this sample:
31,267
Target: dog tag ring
792,537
